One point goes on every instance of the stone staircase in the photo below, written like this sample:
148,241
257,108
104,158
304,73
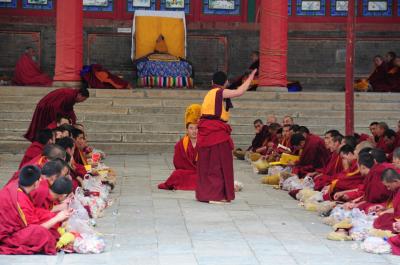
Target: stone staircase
151,121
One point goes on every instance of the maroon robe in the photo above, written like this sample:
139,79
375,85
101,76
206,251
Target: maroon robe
60,101
184,176
333,167
215,164
38,161
34,150
20,229
41,197
385,221
346,180
390,82
374,190
395,244
98,77
313,156
27,73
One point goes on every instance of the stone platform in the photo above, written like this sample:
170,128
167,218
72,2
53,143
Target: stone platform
147,226
145,121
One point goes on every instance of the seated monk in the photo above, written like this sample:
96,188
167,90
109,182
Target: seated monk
27,71
80,156
390,214
271,142
44,197
313,153
350,178
271,118
255,64
287,120
391,141
378,75
365,163
395,240
391,83
78,171
60,120
381,128
25,229
324,176
62,131
286,135
262,134
98,77
375,193
372,129
50,152
396,158
43,137
184,176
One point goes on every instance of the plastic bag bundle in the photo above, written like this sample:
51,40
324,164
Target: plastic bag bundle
292,183
89,243
95,186
305,194
376,245
362,224
308,182
79,211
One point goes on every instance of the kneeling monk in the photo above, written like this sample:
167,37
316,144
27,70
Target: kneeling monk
184,176
215,165
25,229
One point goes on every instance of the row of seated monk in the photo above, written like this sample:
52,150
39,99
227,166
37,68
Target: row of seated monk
35,201
385,77
28,73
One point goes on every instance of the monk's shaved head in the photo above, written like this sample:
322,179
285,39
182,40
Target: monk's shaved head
390,175
53,151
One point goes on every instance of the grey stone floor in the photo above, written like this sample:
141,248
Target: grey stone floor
150,226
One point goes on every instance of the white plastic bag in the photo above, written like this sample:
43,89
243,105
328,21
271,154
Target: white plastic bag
89,243
376,245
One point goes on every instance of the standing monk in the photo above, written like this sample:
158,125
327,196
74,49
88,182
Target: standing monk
215,166
57,102
184,176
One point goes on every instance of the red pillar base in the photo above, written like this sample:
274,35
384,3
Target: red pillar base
273,43
69,40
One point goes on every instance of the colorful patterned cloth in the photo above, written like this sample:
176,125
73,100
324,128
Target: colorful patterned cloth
168,82
164,69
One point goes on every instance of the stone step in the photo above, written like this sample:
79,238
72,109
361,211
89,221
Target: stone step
13,91
18,147
330,119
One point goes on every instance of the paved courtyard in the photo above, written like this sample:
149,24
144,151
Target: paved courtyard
148,226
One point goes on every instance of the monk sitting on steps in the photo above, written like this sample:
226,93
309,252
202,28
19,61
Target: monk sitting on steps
184,176
27,71
25,229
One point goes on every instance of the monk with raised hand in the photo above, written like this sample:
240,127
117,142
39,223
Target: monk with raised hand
25,229
58,102
43,137
184,177
390,213
215,165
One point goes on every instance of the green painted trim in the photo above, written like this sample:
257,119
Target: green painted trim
251,11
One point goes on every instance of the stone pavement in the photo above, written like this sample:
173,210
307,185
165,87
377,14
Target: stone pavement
148,226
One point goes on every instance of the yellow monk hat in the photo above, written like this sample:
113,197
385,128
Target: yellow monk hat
192,114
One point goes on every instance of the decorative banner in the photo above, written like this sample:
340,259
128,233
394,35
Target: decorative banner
8,3
221,4
133,5
37,4
377,8
98,5
176,5
310,8
221,7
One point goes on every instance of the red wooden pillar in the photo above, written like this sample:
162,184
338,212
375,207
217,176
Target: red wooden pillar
69,40
273,43
350,69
